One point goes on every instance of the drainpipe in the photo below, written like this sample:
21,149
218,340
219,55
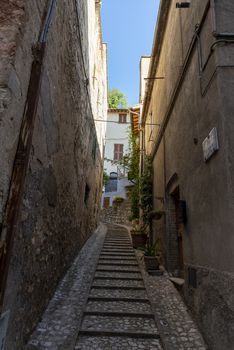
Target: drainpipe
21,161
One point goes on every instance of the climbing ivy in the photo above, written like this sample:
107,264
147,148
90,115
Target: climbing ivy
141,195
146,190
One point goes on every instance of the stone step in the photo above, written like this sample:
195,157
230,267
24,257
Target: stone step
125,238
116,343
124,278
129,251
117,237
116,274
119,287
117,241
118,293
114,246
121,306
118,299
116,263
118,283
119,314
118,324
120,242
114,250
117,258
118,333
114,255
123,268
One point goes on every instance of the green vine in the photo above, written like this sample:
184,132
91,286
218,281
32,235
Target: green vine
146,190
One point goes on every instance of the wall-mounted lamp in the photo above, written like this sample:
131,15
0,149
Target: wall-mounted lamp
182,5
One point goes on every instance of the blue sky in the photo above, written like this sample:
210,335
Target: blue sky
128,29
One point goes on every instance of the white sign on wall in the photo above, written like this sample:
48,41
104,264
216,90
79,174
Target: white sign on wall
210,145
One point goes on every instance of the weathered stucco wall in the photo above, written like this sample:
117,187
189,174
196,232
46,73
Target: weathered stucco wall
201,100
63,185
97,70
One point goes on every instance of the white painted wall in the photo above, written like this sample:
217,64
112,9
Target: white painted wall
121,191
97,70
144,69
116,133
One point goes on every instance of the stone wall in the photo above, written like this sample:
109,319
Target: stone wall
194,96
62,192
117,214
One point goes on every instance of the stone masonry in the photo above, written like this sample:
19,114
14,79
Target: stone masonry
60,205
193,51
117,214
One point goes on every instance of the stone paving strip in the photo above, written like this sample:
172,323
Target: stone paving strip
118,314
176,326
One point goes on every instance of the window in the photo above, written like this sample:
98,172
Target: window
86,195
118,151
123,118
94,147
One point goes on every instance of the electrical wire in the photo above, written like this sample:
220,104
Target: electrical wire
112,121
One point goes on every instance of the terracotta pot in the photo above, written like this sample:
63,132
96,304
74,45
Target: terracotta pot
151,262
139,240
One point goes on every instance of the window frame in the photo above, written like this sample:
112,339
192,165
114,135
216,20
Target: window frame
122,118
118,151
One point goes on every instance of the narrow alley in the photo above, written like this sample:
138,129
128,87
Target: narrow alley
116,175
122,306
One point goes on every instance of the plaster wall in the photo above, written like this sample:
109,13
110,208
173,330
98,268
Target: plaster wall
202,100
144,69
116,133
63,186
97,54
121,191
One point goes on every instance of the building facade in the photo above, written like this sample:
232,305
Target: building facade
53,86
188,130
116,147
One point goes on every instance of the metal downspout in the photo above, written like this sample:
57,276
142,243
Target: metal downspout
21,161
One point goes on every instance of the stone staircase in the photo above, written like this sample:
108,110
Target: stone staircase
118,313
118,214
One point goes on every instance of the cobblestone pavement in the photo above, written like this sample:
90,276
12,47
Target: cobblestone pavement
177,328
60,323
108,302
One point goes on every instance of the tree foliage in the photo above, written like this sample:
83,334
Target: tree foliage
116,99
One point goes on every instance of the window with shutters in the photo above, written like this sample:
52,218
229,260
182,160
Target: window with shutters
122,118
118,151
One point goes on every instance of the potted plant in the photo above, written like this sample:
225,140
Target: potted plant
118,200
156,214
150,256
139,236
